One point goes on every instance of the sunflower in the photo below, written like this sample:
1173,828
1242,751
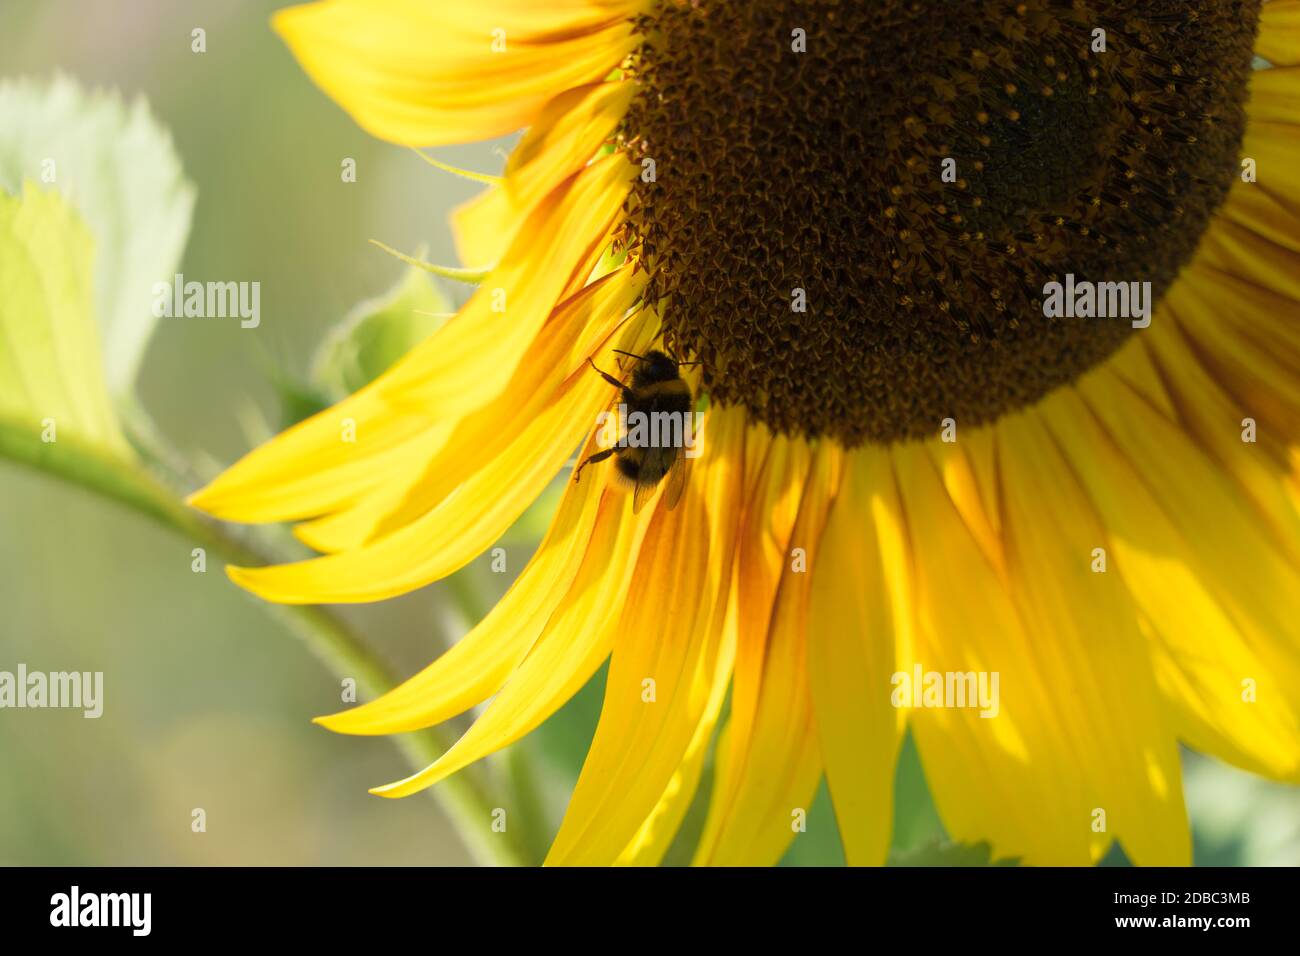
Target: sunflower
850,216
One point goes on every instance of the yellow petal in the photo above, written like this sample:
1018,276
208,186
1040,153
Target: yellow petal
484,225
1256,210
579,327
477,666
1242,333
1088,650
1273,146
767,774
469,361
772,507
671,635
1275,95
424,74
1134,364
1212,585
565,136
323,462
1272,140
656,832
969,476
1214,419
1279,32
577,638
1030,802
1241,252
461,526
860,606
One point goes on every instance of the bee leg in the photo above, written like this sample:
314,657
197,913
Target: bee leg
599,456
605,375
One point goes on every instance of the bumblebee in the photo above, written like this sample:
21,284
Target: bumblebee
657,388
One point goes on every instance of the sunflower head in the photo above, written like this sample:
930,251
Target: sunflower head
855,207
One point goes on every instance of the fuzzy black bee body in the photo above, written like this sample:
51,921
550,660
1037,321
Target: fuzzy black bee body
657,388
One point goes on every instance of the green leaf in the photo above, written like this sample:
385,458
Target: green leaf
297,401
1239,819
118,168
916,821
378,332
940,853
51,380
819,844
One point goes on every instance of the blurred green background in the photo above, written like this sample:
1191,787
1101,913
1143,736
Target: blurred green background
208,698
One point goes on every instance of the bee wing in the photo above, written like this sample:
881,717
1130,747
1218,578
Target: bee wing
644,491
677,480
655,463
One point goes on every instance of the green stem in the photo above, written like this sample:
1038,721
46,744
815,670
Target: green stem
528,812
462,796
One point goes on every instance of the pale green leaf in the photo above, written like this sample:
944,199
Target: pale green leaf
1239,819
51,379
379,331
118,168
